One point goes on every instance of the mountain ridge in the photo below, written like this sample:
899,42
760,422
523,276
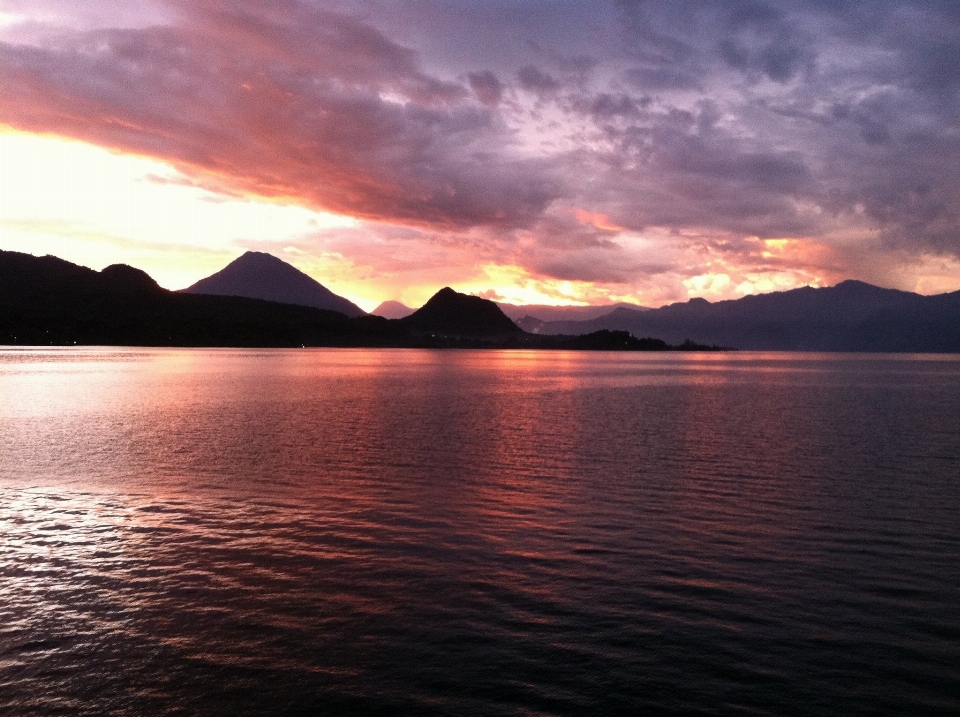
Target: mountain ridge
392,310
453,313
548,312
258,275
46,300
850,316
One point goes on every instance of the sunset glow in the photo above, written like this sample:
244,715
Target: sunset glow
530,156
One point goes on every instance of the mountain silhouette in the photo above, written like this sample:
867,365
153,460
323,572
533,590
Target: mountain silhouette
535,314
392,310
851,316
257,275
49,301
127,280
450,313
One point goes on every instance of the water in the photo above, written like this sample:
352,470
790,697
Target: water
213,532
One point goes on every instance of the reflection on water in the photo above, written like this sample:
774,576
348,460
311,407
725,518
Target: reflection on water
388,532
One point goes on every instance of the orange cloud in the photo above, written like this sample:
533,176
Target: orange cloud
287,103
597,220
590,181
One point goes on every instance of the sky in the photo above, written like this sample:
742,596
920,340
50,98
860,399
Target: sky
535,151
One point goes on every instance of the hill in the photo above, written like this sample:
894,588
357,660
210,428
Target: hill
257,275
532,315
49,301
46,300
851,316
450,313
392,310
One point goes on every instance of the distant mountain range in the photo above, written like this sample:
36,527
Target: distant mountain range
527,316
45,300
851,316
530,316
257,275
392,310
49,301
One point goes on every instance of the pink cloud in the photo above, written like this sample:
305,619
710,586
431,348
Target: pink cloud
280,101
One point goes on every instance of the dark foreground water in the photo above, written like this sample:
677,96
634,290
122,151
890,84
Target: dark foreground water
478,533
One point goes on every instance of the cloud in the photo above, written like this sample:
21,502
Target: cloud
713,125
486,87
536,80
284,102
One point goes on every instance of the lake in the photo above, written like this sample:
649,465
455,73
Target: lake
391,532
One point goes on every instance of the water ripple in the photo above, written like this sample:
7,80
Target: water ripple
460,533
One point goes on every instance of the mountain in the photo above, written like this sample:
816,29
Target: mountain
46,300
392,310
450,313
521,314
851,316
49,301
257,275
545,312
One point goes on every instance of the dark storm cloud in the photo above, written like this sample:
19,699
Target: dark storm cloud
828,120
